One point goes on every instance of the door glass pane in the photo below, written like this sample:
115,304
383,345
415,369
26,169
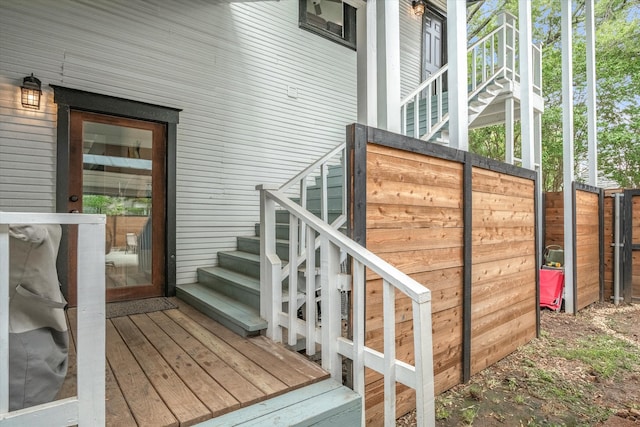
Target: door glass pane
116,181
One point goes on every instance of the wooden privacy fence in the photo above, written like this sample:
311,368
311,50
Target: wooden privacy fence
463,226
588,239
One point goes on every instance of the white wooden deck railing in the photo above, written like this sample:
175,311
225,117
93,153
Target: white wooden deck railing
493,56
327,332
88,407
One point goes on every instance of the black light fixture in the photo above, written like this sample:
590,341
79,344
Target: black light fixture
419,7
31,92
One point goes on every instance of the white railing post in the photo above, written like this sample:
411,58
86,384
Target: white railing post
416,113
331,317
293,280
268,259
423,344
389,318
358,329
324,193
91,327
4,318
303,203
311,314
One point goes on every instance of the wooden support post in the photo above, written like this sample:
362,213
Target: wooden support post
568,160
509,124
457,48
526,85
366,64
388,59
592,134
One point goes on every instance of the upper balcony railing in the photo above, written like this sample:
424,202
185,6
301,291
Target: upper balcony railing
87,408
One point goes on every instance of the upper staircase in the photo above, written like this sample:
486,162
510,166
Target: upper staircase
230,292
493,78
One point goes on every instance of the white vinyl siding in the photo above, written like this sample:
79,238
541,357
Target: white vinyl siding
227,65
410,48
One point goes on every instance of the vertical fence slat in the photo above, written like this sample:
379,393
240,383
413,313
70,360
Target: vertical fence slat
427,113
416,114
303,203
293,279
91,324
389,308
311,292
4,318
325,193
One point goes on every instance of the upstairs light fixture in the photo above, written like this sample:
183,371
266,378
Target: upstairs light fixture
419,7
31,92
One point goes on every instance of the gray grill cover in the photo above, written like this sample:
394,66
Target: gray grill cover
38,336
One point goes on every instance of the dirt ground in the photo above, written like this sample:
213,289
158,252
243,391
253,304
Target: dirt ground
584,370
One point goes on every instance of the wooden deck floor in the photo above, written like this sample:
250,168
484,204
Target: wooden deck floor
179,367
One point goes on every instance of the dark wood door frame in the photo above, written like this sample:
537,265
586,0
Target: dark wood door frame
629,246
68,99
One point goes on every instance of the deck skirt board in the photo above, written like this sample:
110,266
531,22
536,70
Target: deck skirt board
325,403
165,369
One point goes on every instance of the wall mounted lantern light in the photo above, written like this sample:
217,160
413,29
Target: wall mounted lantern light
418,7
31,92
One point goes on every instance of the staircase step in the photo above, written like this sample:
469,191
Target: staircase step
282,231
485,97
241,262
252,246
282,215
236,316
232,284
323,404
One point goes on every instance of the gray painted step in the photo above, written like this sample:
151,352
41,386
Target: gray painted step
323,404
232,284
252,246
236,316
241,262
282,216
332,193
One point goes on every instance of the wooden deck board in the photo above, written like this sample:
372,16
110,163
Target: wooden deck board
178,367
288,372
142,398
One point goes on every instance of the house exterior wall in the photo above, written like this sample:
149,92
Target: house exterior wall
230,66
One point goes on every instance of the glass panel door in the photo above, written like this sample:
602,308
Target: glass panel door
118,171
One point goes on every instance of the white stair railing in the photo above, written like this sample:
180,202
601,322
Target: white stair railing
87,408
328,332
493,56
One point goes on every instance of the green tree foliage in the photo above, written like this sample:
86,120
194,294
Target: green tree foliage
618,87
